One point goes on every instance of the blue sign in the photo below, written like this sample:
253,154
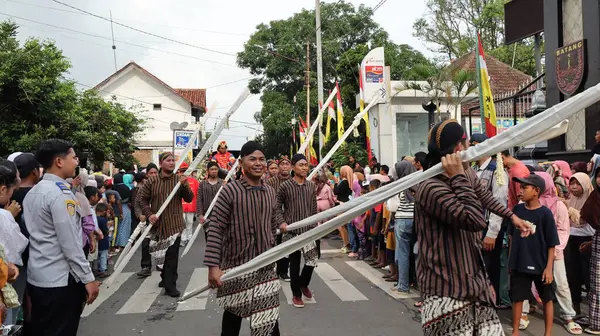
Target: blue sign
182,138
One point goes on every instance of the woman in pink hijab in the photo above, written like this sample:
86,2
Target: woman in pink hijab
550,200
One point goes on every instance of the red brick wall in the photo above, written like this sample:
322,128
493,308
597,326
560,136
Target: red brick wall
144,156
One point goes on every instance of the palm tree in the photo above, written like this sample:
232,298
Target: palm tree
442,84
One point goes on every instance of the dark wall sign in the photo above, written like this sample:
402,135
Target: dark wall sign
522,19
570,67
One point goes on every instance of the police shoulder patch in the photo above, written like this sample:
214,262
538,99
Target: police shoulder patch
71,206
63,186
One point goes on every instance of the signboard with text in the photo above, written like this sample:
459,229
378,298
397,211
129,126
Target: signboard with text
182,138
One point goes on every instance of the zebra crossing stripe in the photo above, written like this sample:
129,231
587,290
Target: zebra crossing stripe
199,279
287,291
143,297
374,276
340,286
106,292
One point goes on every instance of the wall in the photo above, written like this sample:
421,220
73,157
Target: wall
143,93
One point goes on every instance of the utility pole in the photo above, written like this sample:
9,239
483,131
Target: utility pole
319,68
307,76
114,47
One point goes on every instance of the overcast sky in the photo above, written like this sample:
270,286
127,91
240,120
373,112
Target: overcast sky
219,25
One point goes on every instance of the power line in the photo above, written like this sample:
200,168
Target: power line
145,32
120,41
144,22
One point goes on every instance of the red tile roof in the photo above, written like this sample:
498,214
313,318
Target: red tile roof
197,97
503,77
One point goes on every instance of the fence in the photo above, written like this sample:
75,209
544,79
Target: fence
511,107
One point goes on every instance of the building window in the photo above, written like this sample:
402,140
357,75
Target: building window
412,130
157,107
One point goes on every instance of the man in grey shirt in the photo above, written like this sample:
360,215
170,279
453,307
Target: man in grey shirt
59,278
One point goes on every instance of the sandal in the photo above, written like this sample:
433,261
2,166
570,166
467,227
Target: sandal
418,303
523,324
574,328
391,279
592,331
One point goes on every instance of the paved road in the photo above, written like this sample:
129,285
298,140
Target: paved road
350,299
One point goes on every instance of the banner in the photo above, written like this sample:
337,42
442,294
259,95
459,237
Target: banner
340,113
372,72
366,115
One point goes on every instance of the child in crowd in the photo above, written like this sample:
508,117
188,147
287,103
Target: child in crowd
532,257
103,244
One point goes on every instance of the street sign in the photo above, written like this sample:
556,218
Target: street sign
182,138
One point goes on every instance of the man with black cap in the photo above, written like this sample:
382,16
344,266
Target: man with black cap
146,261
166,232
285,167
297,199
242,227
495,179
207,190
532,259
449,219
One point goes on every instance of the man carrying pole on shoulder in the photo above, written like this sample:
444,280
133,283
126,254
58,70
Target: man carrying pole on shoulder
285,167
166,232
242,227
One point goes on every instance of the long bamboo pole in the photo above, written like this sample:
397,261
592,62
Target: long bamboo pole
514,136
207,146
210,207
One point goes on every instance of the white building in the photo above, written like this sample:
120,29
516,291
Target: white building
401,126
157,103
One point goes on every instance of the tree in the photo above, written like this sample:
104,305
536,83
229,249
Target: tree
276,54
443,84
37,103
451,26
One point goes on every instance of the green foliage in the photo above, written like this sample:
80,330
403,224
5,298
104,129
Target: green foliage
37,103
276,53
340,157
451,26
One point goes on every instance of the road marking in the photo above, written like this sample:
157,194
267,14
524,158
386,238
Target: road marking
374,276
106,292
287,290
331,251
199,279
144,297
340,286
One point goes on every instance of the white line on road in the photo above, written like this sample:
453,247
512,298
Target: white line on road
199,279
340,286
144,297
331,251
287,290
106,292
374,276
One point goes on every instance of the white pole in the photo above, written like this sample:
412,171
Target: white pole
210,207
207,146
316,124
319,69
357,119
514,136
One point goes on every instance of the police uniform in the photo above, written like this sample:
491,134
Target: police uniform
57,269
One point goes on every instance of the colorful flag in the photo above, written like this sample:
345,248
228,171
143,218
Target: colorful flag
366,115
330,116
486,100
312,154
340,113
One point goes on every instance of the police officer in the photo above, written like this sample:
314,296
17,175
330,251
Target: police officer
59,278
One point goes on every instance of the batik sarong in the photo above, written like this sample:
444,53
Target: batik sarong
445,316
255,296
159,247
309,251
